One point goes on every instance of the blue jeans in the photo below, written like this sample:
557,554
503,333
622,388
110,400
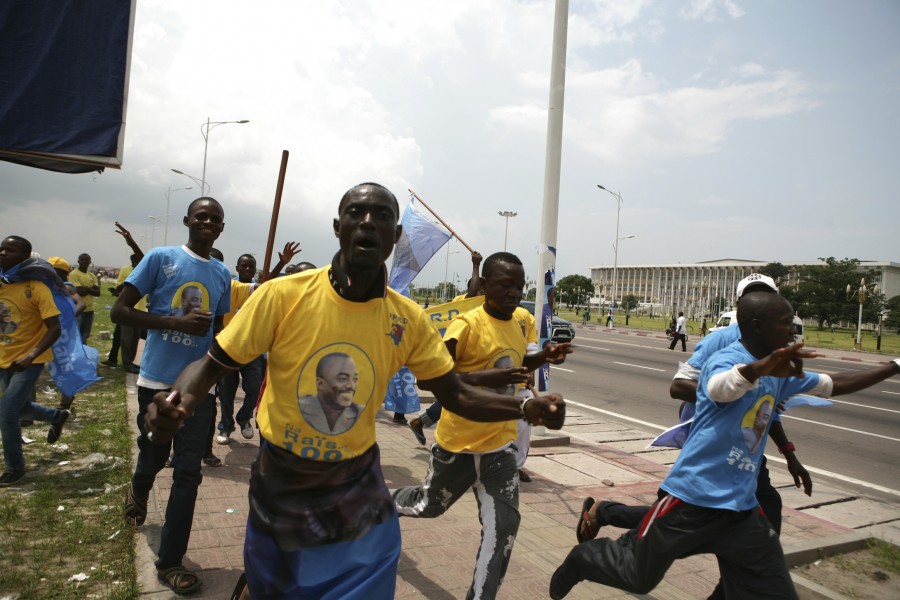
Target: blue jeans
189,445
16,404
85,323
251,376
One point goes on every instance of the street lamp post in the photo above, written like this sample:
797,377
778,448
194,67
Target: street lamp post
506,214
204,131
168,212
153,229
615,253
196,180
861,293
446,270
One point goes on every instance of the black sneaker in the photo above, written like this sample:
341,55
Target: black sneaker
10,477
56,429
133,369
110,363
211,460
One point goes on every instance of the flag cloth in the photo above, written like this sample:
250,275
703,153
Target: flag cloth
74,365
420,240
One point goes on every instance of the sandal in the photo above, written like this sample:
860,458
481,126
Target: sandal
240,588
586,530
180,580
135,508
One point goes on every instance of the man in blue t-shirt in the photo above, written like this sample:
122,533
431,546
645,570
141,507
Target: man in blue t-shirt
707,503
175,338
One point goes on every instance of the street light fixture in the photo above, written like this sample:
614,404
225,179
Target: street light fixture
506,214
615,251
169,193
153,229
204,131
195,180
861,292
446,270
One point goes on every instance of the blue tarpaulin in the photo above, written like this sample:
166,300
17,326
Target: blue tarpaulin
63,82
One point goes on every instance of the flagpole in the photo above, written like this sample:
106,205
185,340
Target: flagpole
454,234
270,244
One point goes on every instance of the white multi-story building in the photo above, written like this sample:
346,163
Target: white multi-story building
694,288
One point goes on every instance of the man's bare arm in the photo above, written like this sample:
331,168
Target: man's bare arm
847,382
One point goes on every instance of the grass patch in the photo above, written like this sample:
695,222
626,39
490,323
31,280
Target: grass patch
887,555
65,517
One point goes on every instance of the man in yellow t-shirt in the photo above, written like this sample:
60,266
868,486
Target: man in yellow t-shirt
322,522
88,287
494,346
29,325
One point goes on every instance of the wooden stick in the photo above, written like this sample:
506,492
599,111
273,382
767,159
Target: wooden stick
275,210
468,247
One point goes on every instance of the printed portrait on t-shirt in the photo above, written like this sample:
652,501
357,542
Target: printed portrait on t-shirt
191,297
334,388
755,423
9,317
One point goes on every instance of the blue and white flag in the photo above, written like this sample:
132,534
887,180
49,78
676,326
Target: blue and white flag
74,365
420,240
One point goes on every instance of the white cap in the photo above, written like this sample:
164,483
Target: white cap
754,279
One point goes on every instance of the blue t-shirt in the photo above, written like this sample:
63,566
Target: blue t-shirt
715,341
717,467
178,282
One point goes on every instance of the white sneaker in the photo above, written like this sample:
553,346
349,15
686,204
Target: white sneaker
223,437
247,430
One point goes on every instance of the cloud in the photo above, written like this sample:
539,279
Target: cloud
708,10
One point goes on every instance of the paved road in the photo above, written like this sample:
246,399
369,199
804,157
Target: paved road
854,443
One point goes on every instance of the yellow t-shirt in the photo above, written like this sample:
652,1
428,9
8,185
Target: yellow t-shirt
124,272
301,320
87,280
483,342
23,308
239,293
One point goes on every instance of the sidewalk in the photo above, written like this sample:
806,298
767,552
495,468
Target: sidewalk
438,554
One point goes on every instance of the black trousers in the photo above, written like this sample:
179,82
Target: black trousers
750,557
675,338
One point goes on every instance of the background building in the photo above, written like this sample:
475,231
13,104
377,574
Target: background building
706,288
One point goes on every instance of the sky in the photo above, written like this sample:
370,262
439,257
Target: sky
763,130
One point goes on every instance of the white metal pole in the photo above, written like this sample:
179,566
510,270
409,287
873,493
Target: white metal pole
552,159
205,148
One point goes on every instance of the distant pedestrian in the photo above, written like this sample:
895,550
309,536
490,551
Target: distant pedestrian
586,316
88,287
680,333
703,328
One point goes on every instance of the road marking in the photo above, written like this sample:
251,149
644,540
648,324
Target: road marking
839,477
878,435
613,414
638,366
592,347
890,410
561,369
778,459
892,393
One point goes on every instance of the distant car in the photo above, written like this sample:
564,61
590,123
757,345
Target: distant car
562,330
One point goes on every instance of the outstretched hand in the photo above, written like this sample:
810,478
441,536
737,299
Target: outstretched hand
195,323
164,417
555,354
120,229
799,473
548,410
291,249
500,378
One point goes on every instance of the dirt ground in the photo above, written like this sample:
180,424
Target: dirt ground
856,575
